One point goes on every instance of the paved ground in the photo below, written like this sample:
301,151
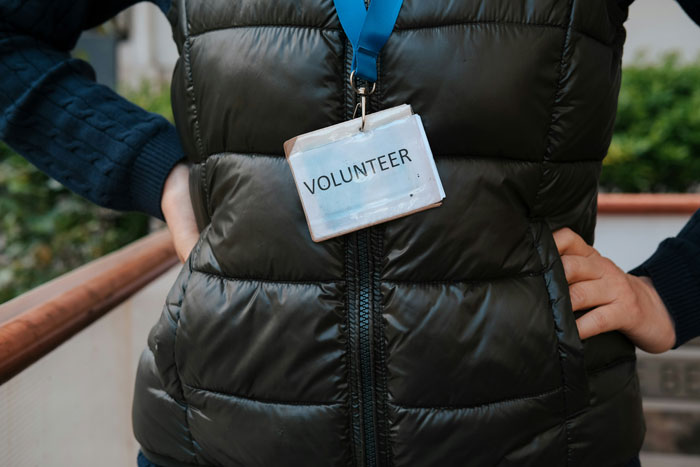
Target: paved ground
667,460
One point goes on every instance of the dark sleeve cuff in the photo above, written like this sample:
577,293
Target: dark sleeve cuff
158,156
677,283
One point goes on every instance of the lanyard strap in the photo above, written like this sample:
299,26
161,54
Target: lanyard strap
367,30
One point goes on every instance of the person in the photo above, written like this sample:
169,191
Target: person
408,343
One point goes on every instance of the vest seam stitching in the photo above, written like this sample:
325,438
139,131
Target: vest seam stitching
611,364
193,259
270,281
382,281
175,364
513,159
222,155
562,27
479,406
560,79
190,82
262,400
487,280
555,99
418,27
477,22
537,246
268,25
205,187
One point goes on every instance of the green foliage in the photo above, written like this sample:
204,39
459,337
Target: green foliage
46,230
656,146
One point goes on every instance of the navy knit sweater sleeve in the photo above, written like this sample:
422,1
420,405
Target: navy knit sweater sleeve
674,270
79,132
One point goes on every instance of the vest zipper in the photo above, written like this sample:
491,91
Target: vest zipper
364,310
360,329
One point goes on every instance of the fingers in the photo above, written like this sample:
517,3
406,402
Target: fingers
570,243
617,301
581,268
599,320
594,282
588,294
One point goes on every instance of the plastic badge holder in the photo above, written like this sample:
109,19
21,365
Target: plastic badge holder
350,179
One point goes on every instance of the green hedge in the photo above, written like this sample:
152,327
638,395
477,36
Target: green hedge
656,146
45,230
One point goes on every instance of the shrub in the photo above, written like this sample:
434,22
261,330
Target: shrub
656,145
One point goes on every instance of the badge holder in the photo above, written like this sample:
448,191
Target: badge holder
364,171
373,168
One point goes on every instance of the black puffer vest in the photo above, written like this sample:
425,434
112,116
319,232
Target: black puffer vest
445,338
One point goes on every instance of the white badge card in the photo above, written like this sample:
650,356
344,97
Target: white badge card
350,179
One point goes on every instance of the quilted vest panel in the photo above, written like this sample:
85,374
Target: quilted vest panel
442,338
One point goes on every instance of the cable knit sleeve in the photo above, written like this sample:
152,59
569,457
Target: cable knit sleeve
52,112
674,270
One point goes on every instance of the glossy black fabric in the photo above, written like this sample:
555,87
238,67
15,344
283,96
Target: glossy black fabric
442,338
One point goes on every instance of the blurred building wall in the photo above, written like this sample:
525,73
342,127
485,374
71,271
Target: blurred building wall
149,52
657,26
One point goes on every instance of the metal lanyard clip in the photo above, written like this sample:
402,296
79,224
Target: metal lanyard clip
363,93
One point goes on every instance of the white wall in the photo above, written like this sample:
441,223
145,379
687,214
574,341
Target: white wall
656,26
149,52
630,239
73,407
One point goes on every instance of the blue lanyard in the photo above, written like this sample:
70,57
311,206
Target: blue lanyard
367,30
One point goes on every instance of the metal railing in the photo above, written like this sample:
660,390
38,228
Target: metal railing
35,323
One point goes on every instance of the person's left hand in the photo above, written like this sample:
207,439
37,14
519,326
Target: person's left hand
619,301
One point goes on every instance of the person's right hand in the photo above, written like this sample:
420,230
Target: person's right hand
618,301
176,205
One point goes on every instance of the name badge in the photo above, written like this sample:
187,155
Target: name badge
349,179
